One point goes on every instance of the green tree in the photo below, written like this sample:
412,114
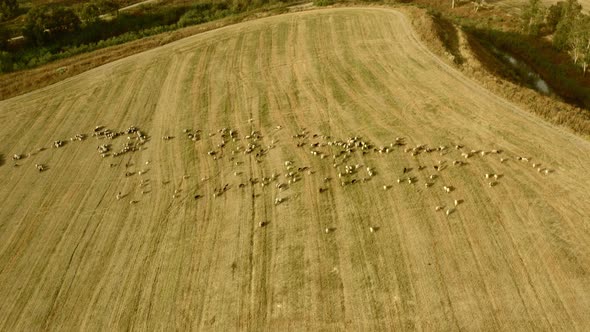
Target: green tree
6,62
107,7
45,23
532,17
570,12
89,13
554,15
579,42
8,9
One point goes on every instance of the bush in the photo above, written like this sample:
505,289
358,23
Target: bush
320,3
202,13
6,62
89,12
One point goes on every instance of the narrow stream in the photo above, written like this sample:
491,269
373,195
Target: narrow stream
531,77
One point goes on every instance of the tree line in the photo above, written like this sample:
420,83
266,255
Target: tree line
564,23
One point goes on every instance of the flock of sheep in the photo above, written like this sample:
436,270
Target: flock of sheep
345,162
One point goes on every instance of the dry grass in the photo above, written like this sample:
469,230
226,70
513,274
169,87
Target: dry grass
514,256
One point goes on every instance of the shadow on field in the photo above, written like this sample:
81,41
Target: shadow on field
2,160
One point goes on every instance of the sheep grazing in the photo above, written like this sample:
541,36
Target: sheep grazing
385,187
449,211
483,153
502,160
488,175
438,208
16,157
40,167
327,230
465,155
496,176
119,196
262,224
491,184
58,144
279,201
427,184
447,189
457,202
458,147
372,229
399,180
432,177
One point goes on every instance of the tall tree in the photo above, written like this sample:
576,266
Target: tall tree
579,42
570,12
532,17
554,15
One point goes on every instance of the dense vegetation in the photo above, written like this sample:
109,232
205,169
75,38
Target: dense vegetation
554,41
8,9
56,32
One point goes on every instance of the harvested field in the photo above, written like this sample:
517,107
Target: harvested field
249,181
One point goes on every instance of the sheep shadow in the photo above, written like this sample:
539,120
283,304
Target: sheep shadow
2,160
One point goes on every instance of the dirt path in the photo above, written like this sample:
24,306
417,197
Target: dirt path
72,256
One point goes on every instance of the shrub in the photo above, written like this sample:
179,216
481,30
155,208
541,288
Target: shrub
323,2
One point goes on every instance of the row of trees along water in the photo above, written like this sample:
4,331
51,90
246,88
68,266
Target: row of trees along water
55,32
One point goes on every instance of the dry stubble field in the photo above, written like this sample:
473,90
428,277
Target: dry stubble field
515,256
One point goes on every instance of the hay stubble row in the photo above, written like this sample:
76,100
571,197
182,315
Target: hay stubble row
72,255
